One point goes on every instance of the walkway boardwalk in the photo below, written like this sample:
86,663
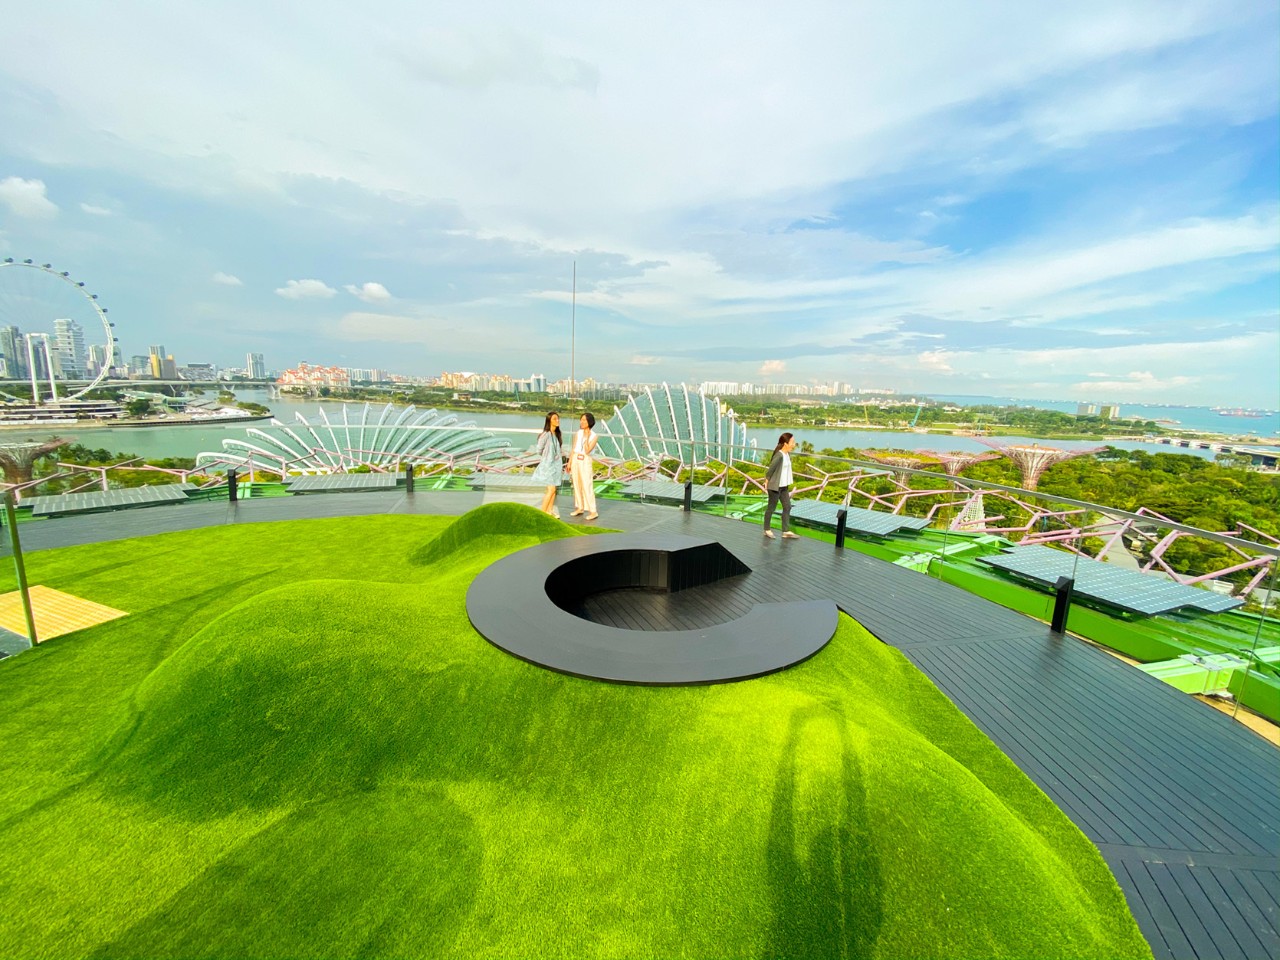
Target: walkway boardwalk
1183,803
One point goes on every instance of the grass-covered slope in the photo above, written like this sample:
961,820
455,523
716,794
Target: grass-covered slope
296,745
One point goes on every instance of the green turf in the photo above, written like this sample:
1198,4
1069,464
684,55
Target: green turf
296,745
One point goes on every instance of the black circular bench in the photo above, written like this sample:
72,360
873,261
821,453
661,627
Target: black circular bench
522,604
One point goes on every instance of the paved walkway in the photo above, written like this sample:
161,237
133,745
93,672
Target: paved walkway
1183,803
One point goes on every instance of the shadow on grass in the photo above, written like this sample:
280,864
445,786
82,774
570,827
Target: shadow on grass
390,873
824,874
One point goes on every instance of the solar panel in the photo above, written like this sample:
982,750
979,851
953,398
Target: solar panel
342,482
108,499
670,490
1126,589
873,522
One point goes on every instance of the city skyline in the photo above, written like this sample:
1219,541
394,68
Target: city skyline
999,199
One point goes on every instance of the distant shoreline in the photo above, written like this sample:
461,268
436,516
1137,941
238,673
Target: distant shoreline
1009,431
1002,430
171,421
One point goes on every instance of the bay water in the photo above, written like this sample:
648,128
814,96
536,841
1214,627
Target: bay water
189,440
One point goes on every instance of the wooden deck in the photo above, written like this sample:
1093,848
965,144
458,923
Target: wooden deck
1183,803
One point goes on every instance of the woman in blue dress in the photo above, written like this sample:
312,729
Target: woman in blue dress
550,469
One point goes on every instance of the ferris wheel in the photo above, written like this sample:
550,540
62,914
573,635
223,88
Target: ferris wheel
53,332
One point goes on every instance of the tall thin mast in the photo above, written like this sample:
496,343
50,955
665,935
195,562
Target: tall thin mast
573,333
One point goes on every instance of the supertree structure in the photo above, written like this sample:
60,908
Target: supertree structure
18,459
1033,460
955,463
974,512
911,461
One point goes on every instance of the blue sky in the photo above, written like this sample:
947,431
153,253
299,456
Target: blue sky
1077,201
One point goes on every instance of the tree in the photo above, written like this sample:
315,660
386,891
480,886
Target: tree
139,407
1238,461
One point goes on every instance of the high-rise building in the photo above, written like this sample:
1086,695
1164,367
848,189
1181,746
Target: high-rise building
720,387
68,348
13,353
38,355
97,359
157,361
255,367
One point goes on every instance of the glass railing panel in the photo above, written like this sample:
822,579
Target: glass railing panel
955,525
1257,689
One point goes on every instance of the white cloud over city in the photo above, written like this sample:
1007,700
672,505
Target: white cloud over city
305,290
27,199
988,197
369,292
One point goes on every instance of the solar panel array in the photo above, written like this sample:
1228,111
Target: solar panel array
872,522
1126,589
343,482
108,499
670,490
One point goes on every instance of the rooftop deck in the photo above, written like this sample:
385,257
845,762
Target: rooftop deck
1183,803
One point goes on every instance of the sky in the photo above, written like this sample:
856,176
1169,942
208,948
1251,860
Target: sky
1024,199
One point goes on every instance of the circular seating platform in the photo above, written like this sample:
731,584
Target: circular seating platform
522,603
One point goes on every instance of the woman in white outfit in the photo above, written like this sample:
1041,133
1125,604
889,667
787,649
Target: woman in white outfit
778,480
580,468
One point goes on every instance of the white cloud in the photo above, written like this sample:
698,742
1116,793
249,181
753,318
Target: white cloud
95,211
1240,366
26,198
305,290
369,292
1137,383
722,108
1015,280
229,280
704,169
770,367
935,360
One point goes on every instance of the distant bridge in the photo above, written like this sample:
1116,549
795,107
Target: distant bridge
143,384
1267,457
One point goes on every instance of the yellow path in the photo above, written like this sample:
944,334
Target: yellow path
55,612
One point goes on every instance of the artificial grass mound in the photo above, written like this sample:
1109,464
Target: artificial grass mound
274,765
488,521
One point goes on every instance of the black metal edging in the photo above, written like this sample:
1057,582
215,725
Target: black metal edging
521,604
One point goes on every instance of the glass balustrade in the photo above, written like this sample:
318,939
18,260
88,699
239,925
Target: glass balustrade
1194,608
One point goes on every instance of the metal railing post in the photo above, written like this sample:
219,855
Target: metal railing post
842,518
231,486
19,567
1061,604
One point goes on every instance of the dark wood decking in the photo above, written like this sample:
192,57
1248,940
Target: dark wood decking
1183,803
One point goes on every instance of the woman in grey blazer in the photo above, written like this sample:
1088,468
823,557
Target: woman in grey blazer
777,480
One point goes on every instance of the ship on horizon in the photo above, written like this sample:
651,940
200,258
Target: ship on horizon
1241,412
